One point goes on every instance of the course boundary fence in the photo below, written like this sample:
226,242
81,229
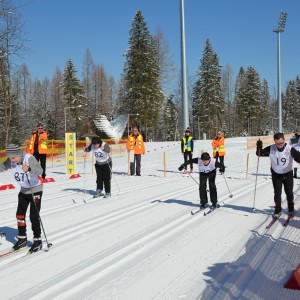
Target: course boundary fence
56,149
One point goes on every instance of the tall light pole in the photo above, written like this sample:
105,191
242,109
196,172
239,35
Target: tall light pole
128,121
185,109
199,137
65,113
278,29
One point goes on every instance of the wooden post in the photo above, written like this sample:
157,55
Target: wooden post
128,152
52,153
93,157
165,163
247,165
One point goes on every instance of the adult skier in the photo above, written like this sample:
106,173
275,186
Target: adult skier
207,171
295,142
281,156
25,170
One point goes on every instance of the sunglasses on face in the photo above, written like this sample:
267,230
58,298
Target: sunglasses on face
40,128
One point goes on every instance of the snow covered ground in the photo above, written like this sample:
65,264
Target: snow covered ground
143,243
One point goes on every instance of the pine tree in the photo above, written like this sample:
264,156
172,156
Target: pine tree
74,97
141,74
170,120
206,97
290,107
264,110
248,104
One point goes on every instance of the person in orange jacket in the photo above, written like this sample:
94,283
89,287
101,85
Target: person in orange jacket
218,147
38,146
135,142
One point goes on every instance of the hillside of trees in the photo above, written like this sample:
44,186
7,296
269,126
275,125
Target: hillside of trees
239,106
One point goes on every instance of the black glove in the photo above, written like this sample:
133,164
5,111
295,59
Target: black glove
293,151
259,145
222,169
182,167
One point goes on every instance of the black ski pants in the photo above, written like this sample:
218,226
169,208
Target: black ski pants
188,156
104,176
221,158
211,177
23,203
136,165
41,158
287,181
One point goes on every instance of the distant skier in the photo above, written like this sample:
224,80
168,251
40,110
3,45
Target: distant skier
103,166
281,156
26,169
187,148
207,171
295,142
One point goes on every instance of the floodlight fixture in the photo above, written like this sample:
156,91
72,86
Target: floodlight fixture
279,28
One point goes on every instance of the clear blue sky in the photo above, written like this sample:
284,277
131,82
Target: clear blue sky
240,32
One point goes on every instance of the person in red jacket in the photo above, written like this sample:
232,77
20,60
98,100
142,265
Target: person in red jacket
38,146
135,142
218,147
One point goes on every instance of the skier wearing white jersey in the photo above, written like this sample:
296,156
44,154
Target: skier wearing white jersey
295,142
103,166
207,171
281,156
26,169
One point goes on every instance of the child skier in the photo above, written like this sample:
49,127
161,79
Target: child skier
26,169
207,170
103,166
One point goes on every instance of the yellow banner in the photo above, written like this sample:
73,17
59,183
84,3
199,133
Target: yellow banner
70,152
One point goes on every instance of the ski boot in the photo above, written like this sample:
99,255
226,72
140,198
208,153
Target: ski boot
36,246
22,242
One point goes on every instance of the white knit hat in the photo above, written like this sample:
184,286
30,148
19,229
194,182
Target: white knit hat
13,150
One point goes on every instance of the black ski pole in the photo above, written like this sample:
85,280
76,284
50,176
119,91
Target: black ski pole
230,195
253,207
112,174
193,178
48,244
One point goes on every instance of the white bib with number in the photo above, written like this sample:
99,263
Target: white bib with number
100,155
21,177
282,162
206,169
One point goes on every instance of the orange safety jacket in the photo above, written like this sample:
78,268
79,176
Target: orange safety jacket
218,146
42,142
136,143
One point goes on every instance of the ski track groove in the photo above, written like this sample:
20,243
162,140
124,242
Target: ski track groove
149,237
183,219
60,208
262,248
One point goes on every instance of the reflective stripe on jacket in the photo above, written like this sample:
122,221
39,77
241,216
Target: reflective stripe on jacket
218,146
42,143
136,143
187,143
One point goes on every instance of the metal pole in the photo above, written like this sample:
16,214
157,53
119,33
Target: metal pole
65,119
279,84
198,129
183,72
128,125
